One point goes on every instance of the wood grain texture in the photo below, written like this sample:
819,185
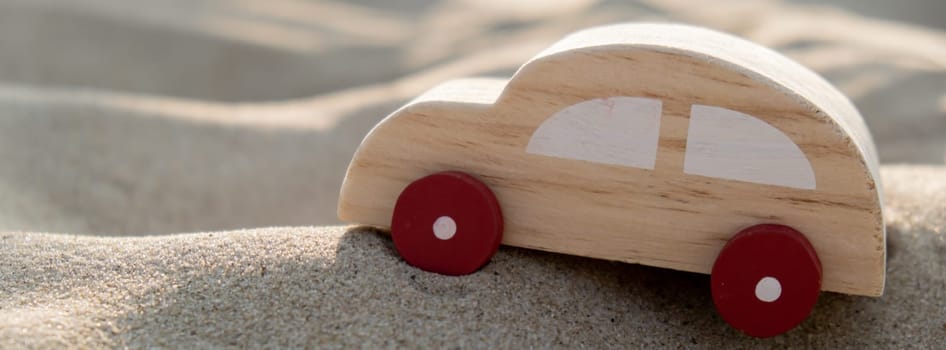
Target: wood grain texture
661,217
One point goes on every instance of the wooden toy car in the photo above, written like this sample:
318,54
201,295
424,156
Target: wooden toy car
662,145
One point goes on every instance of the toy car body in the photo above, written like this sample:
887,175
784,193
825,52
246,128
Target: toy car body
645,143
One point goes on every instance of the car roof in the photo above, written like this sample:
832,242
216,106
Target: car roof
756,61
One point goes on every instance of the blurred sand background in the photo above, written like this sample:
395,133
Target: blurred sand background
153,118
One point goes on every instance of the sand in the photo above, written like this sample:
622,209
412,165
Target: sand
345,286
124,126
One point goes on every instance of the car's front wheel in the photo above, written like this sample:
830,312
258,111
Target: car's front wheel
448,223
766,280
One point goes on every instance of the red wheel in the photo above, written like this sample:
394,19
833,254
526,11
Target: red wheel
448,223
766,280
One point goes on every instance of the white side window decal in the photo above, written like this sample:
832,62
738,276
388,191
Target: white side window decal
615,130
731,145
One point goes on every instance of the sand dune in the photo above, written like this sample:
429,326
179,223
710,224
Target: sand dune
129,119
315,287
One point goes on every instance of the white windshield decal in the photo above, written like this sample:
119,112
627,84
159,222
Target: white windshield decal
615,130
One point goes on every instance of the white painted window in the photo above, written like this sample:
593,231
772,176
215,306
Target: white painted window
614,130
726,144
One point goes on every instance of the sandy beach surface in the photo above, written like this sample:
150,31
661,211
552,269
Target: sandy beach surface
126,127
346,287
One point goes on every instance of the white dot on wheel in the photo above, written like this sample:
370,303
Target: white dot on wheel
768,289
445,227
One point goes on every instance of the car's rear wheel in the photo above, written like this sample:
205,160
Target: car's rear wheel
766,280
448,223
